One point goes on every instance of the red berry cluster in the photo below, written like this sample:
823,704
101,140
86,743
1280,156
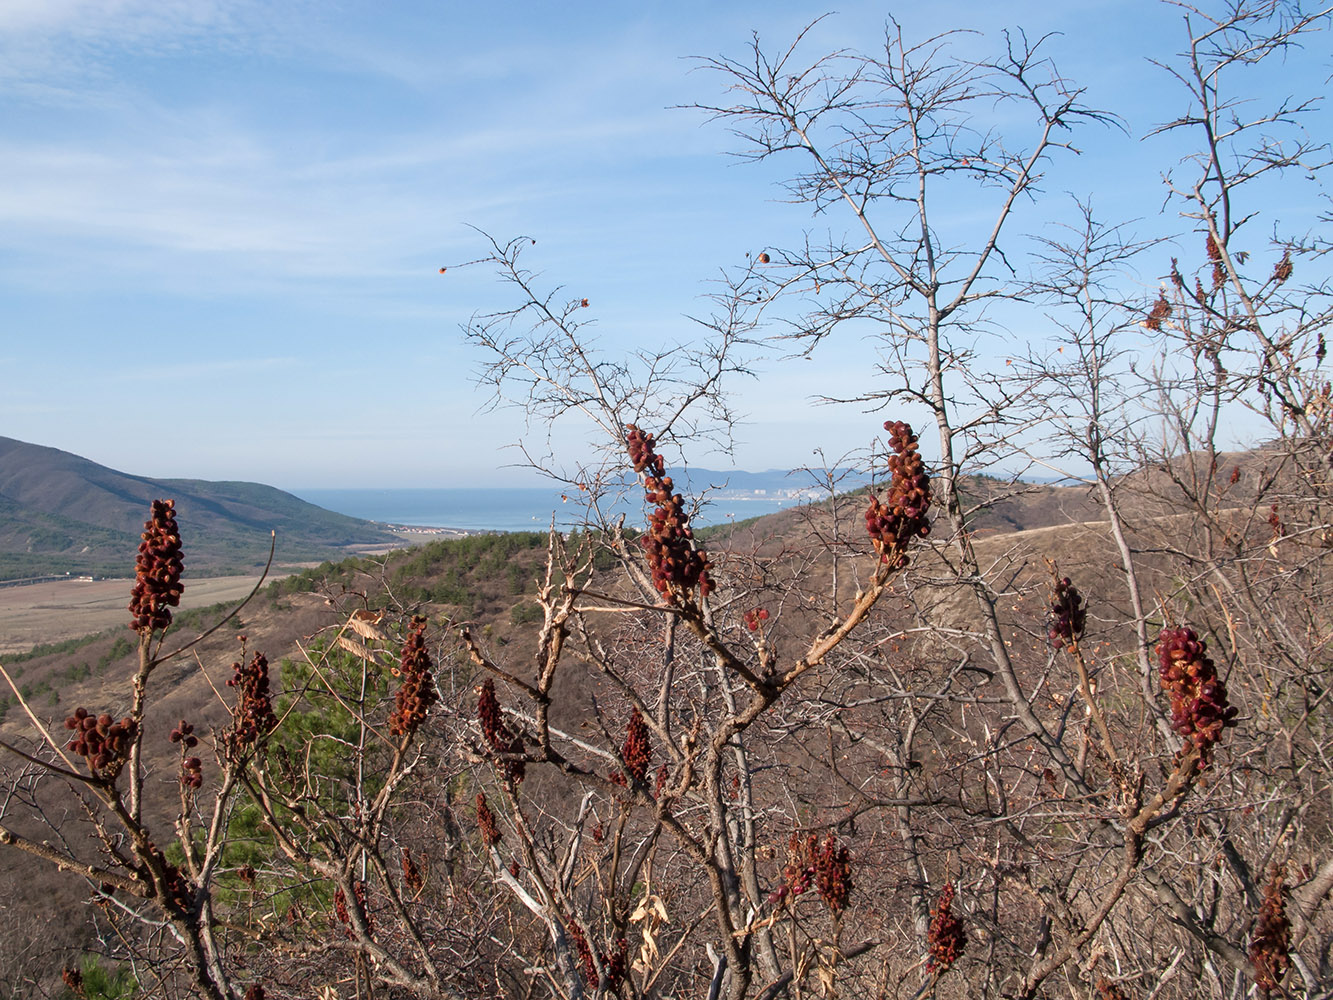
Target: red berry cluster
753,618
827,866
616,965
416,692
490,833
833,874
184,734
677,566
902,515
157,570
799,871
946,935
498,735
1270,946
1199,709
586,964
663,773
344,916
253,716
101,741
637,753
192,773
192,768
1275,522
1068,614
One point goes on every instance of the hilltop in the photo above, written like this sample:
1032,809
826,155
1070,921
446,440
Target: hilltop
60,513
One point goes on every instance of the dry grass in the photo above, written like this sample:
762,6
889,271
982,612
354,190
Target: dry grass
54,612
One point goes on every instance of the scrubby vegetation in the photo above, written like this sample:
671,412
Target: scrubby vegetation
880,746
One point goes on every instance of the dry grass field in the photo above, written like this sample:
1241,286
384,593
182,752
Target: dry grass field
53,612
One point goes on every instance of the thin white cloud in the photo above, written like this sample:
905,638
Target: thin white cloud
64,53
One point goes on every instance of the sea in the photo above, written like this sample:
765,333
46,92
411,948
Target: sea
509,509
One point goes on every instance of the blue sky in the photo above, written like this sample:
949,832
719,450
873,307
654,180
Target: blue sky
221,221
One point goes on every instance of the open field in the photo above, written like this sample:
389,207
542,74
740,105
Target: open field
54,612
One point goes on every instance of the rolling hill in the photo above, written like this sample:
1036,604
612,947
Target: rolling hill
60,513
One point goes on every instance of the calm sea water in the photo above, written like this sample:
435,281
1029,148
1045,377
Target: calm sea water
478,509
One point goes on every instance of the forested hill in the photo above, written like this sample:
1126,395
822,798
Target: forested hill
61,513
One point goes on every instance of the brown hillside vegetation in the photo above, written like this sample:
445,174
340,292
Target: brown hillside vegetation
838,751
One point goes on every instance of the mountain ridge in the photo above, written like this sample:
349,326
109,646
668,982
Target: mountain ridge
62,513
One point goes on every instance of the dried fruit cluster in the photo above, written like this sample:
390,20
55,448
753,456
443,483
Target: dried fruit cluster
253,716
157,570
1161,310
614,966
833,874
412,877
192,768
827,866
677,566
1199,708
490,833
1270,945
799,871
637,752
416,691
581,947
902,515
1282,270
946,935
1215,255
1068,614
753,618
344,916
499,737
184,733
101,741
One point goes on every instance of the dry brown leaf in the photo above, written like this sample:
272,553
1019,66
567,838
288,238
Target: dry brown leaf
363,624
355,648
652,913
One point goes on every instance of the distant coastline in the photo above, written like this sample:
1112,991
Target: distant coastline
510,509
